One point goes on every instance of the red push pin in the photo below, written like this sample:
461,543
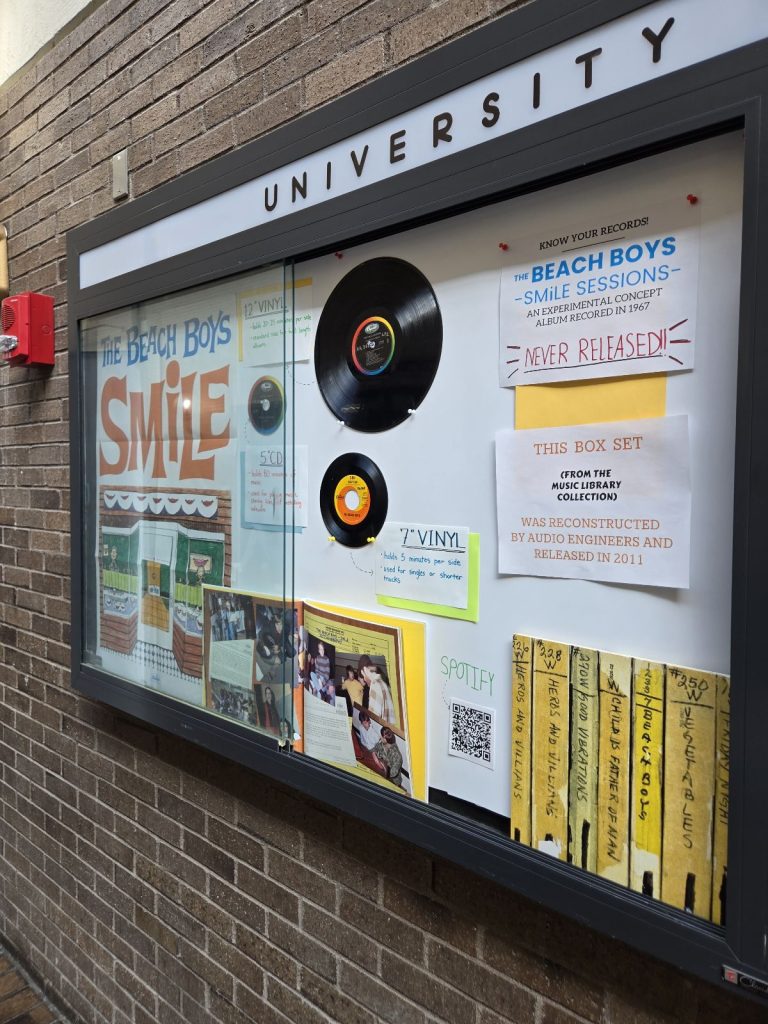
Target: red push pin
503,246
692,199
339,255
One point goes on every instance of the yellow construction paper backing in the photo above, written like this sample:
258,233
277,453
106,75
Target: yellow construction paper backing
570,403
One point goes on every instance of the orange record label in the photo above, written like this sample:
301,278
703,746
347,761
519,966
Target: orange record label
352,499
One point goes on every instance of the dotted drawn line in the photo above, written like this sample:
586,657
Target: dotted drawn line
368,572
301,383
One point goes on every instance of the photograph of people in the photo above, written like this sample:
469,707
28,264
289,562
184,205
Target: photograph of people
271,648
321,669
302,655
233,701
366,733
228,621
352,688
238,620
388,757
269,717
379,696
268,642
216,617
377,748
273,642
231,617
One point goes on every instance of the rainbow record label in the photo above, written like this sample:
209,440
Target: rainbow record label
378,344
266,405
373,346
353,499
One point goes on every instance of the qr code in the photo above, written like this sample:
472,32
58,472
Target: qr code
472,734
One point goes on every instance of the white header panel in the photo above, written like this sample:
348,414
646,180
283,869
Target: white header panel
658,39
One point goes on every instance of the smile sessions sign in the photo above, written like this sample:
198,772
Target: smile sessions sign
660,38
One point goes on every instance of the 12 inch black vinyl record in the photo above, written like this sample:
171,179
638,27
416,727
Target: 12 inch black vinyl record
378,344
353,499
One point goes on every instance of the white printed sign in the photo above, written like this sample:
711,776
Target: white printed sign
264,315
424,563
327,735
598,502
232,662
608,298
273,482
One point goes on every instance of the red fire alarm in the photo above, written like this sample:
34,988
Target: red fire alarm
27,329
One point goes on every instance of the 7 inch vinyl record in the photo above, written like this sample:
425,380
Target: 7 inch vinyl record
378,344
353,499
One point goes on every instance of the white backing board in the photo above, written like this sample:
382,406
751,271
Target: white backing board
439,464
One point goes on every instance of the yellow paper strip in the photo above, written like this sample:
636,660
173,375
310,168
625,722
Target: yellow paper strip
647,777
522,694
689,786
551,731
582,796
615,687
722,776
598,401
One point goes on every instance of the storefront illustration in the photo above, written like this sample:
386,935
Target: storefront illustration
157,549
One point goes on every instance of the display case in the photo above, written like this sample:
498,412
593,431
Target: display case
420,467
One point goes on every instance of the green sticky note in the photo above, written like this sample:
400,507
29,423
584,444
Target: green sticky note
471,613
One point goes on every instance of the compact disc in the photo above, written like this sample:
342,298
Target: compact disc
266,405
378,344
353,499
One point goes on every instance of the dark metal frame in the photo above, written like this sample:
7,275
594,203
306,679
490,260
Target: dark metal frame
718,95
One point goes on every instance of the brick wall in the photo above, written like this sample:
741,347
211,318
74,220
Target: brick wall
143,879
